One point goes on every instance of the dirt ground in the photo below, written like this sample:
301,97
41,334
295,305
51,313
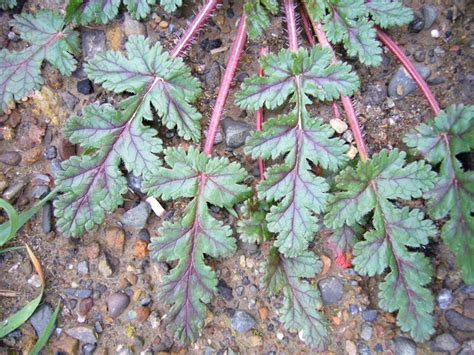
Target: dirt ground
36,123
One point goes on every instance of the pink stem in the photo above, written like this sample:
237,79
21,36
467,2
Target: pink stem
291,24
397,51
235,53
346,101
259,123
307,28
192,30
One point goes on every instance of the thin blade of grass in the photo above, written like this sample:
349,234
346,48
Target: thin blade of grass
9,249
44,337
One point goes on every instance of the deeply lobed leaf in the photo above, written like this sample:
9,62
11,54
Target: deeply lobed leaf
440,140
301,298
252,228
192,284
387,13
258,15
20,71
370,186
7,4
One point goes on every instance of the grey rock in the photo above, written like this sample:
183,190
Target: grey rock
85,334
353,309
47,213
78,292
402,84
93,42
144,235
331,289
467,289
235,132
39,320
39,191
224,290
104,267
70,100
117,303
467,348
212,78
444,298
135,182
376,94
416,25
10,158
242,321
430,14
131,314
55,166
404,346
83,267
444,342
370,315
132,27
13,191
239,290
363,349
366,332
420,55
98,327
88,349
460,322
50,152
137,216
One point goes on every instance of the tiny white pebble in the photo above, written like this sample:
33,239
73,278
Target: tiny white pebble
338,125
279,336
155,206
352,152
435,33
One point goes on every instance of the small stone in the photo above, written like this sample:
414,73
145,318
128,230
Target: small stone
351,348
32,155
366,332
402,83
104,267
78,292
378,348
47,213
351,154
85,334
242,321
404,346
458,321
163,24
363,349
255,341
416,25
435,33
224,290
239,290
338,125
154,320
93,42
467,289
131,314
39,320
135,182
467,348
137,216
212,78
263,313
50,152
208,45
85,87
369,315
444,298
85,306
444,342
331,289
88,349
140,249
83,267
93,250
117,303
235,132
353,309
132,27
115,240
10,158
468,308
35,281
142,313
144,235
430,14
420,55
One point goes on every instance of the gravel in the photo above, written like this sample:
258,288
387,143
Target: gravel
10,158
93,42
404,346
460,322
242,321
85,334
331,289
39,319
402,84
235,132
137,216
85,87
444,342
117,303
444,298
370,315
430,14
47,213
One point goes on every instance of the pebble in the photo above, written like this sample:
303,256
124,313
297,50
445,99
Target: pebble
132,27
467,348
402,84
363,349
88,349
142,313
420,55
131,314
85,87
467,289
144,235
352,152
338,125
240,78
351,348
117,303
331,290
366,332
416,25
85,306
135,182
435,33
93,42
224,290
378,348
404,346
235,132
207,45
47,212
242,321
115,240
444,298
468,307
140,249
55,166
444,342
50,152
430,14
10,158
78,292
137,216
212,77
375,94
370,315
458,321
85,334
83,267
154,320
353,309
39,320
93,250
104,267
98,327
239,290
35,281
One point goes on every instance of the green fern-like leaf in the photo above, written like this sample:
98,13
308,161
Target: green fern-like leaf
252,228
20,71
7,4
93,184
192,284
440,140
301,298
372,186
258,16
387,13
